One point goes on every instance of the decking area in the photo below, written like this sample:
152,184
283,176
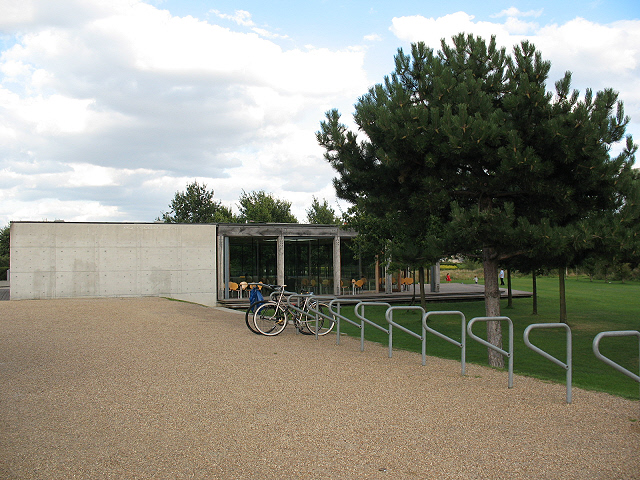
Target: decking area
449,292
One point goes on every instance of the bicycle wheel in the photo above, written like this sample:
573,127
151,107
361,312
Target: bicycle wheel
270,319
323,324
248,317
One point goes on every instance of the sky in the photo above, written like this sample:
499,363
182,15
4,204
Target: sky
110,107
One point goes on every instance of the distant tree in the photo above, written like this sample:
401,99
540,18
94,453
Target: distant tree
196,205
322,213
4,241
258,206
4,251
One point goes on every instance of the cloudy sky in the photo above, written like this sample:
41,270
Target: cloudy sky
108,107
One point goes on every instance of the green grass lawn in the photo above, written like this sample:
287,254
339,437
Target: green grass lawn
592,307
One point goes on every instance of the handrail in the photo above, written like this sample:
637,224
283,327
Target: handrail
508,354
608,361
566,366
389,316
364,320
339,316
462,344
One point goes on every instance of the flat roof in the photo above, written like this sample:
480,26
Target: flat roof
285,229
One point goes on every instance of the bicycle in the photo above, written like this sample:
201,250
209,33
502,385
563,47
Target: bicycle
272,317
254,303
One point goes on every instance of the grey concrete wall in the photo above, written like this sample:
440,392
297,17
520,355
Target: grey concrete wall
63,260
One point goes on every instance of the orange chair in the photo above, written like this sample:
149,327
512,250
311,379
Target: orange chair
407,283
234,287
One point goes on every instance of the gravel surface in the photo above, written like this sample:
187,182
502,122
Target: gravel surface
155,389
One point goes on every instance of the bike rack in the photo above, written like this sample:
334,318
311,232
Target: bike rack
389,316
608,361
566,366
364,320
312,311
462,344
336,313
508,354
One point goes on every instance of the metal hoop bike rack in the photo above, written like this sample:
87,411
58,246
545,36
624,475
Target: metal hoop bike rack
339,317
463,341
567,366
509,353
389,316
364,320
608,361
308,300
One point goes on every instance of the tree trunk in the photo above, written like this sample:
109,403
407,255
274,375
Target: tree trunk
563,298
423,298
509,290
492,304
535,293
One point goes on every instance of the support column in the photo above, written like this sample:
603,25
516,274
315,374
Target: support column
435,277
223,262
337,265
280,260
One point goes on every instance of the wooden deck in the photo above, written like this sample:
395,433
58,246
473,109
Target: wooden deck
450,292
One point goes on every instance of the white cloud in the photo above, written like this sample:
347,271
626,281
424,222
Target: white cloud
118,106
374,37
432,30
514,12
241,17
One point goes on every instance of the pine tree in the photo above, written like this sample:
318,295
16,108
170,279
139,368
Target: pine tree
466,145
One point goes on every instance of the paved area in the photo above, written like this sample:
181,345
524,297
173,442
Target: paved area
157,389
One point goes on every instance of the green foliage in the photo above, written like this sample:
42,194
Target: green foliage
4,241
196,205
258,206
322,213
4,252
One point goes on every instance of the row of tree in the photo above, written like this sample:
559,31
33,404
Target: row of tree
464,152
197,205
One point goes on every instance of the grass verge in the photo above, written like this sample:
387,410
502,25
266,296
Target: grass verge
592,307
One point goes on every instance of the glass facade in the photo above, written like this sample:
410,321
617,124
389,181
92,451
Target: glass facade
253,259
308,263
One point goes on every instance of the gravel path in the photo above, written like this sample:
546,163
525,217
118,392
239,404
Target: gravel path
155,389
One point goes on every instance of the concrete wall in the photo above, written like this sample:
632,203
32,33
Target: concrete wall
63,260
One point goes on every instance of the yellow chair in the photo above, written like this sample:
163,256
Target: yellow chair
234,287
408,282
359,284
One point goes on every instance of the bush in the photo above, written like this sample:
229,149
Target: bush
448,266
